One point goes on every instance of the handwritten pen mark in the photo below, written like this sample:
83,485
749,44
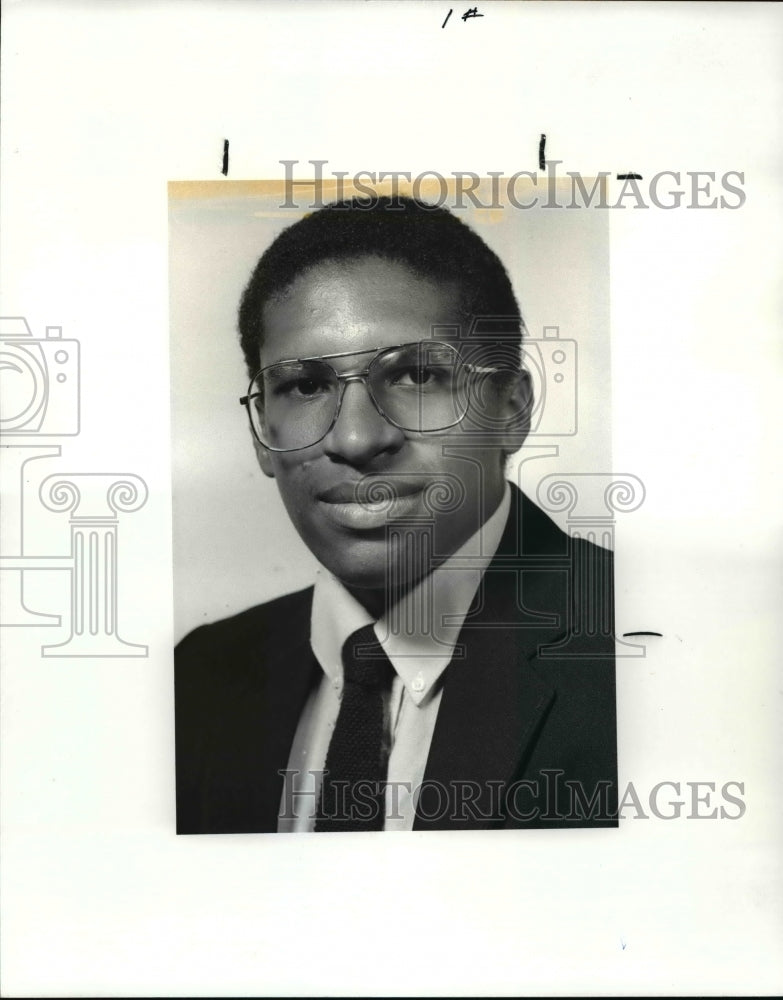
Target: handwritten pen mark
541,152
622,943
471,12
224,171
627,634
447,18
629,177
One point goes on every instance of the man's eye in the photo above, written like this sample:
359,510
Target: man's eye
416,375
308,386
301,388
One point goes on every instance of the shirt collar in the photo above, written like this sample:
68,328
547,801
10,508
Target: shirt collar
420,632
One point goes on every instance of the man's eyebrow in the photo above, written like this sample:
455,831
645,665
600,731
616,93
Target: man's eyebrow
343,354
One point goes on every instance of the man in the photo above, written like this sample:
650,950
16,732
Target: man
439,675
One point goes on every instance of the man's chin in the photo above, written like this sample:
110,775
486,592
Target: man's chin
370,577
375,566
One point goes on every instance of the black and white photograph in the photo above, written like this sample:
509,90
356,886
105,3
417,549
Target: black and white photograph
452,665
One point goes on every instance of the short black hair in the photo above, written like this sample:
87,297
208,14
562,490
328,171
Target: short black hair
428,239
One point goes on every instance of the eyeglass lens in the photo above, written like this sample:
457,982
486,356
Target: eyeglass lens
417,387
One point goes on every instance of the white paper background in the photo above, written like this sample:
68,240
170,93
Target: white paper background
102,105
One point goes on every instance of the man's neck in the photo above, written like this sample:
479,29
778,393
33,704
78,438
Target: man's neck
373,601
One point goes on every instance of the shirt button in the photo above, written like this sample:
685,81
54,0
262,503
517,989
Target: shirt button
418,684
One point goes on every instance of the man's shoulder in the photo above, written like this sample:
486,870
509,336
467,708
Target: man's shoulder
531,531
271,625
567,574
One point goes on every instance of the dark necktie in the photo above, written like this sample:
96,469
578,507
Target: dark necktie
352,793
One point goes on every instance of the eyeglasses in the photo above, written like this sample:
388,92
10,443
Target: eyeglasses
421,386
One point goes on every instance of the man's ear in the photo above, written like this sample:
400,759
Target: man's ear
264,459
517,407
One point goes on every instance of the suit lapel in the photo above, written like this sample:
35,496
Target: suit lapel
292,672
494,702
266,711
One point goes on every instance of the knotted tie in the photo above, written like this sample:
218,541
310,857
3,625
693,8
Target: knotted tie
352,793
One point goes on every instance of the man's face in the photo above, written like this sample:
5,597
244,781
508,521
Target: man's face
361,305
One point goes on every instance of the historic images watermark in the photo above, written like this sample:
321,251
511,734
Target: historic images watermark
525,189
547,799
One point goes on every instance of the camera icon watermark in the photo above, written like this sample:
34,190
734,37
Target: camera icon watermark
40,400
552,365
494,347
39,381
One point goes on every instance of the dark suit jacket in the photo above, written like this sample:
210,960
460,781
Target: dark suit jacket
525,734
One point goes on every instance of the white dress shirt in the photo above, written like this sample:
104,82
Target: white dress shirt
418,635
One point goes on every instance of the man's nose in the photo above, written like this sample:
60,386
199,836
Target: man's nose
360,433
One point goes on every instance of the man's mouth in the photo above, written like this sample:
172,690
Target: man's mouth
371,492
370,504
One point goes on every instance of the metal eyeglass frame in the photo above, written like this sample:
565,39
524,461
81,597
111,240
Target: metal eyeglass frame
345,377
